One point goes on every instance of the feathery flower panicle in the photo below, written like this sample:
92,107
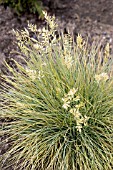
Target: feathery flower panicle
70,95
68,61
72,92
107,51
50,21
37,46
66,105
72,107
31,73
32,27
67,49
79,41
40,75
75,113
101,77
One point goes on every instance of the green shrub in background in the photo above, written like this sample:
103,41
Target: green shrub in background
33,6
59,105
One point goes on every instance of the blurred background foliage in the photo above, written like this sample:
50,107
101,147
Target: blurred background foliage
21,6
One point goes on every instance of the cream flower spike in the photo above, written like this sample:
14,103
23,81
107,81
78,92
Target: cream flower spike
72,92
102,77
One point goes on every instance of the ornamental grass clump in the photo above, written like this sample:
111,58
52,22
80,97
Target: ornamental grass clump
58,107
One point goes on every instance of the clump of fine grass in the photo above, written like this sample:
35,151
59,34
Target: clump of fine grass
60,104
